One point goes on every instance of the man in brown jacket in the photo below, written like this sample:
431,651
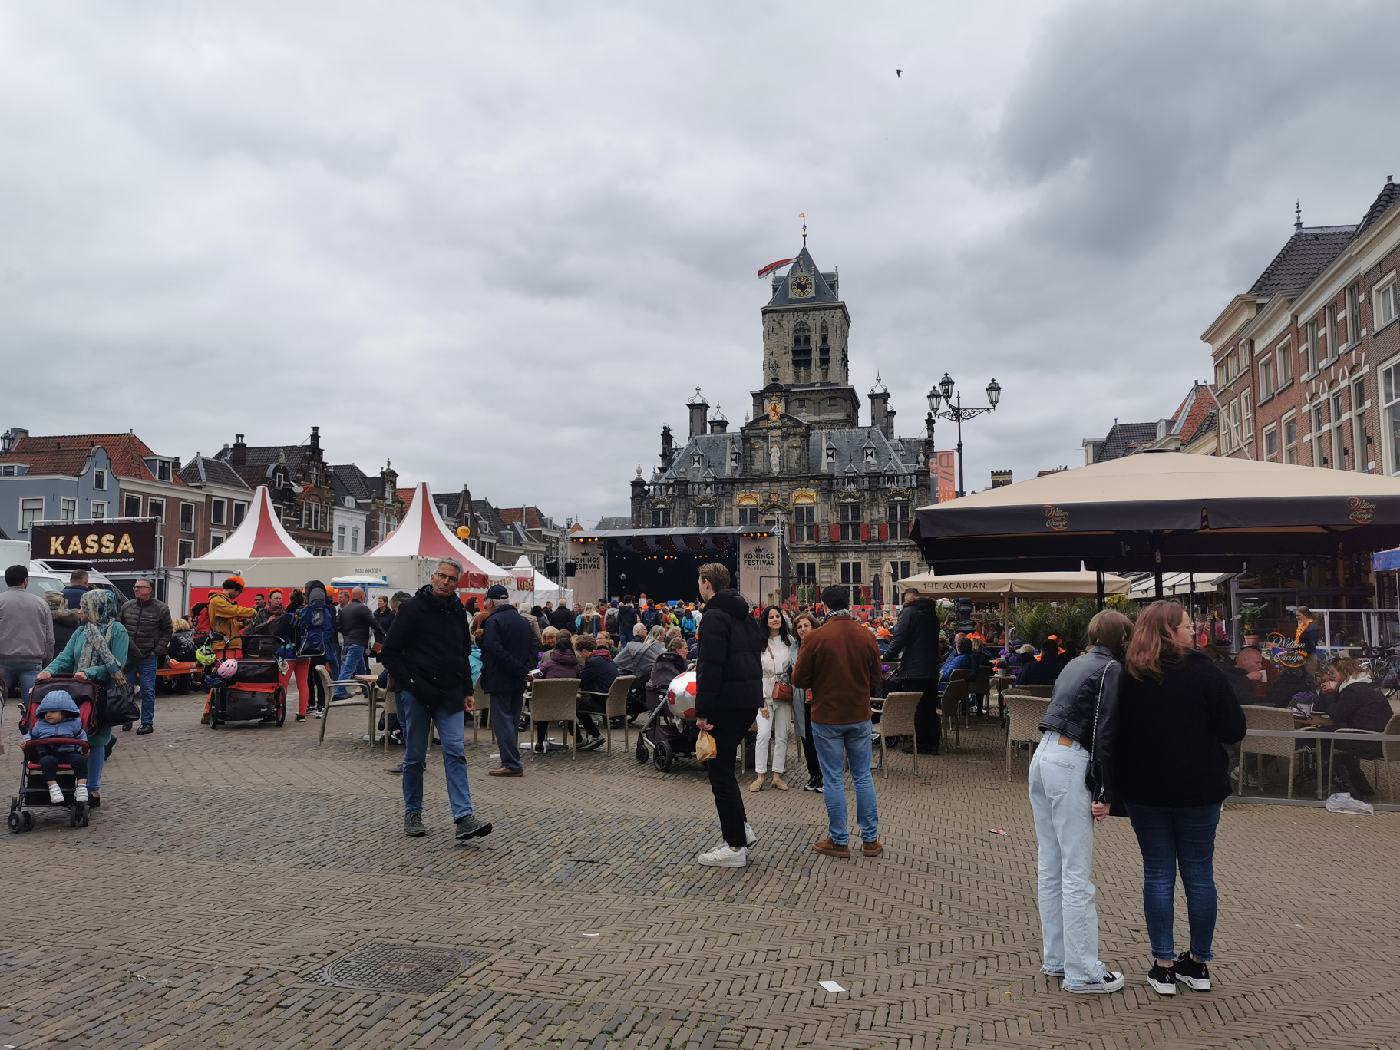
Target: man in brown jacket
839,666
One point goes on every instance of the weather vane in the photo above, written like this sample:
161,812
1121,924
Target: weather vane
803,216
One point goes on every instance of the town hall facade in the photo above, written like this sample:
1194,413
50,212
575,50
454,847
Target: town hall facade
840,494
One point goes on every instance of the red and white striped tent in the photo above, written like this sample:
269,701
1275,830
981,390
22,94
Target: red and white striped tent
260,535
423,534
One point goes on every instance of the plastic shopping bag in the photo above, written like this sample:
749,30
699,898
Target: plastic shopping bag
704,746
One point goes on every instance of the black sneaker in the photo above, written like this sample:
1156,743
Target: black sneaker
1195,975
413,825
301,718
593,743
1162,979
145,729
469,827
813,785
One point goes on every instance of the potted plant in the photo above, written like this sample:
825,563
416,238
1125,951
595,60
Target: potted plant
1250,615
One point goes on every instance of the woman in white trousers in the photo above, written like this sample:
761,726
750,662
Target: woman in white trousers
775,716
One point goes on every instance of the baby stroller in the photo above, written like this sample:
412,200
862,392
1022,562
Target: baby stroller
248,689
33,790
670,731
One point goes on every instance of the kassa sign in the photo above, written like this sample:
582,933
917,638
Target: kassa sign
107,546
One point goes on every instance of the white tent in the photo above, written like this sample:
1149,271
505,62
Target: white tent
423,534
530,585
259,535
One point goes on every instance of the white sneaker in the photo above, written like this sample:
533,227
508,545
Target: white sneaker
80,793
55,794
724,856
1111,981
750,839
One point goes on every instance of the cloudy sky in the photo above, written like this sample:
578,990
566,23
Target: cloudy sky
502,243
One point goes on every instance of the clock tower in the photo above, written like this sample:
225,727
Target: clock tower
805,328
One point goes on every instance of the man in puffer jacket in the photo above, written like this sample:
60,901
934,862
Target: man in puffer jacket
728,694
59,717
147,622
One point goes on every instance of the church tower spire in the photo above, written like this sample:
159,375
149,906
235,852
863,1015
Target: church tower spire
805,325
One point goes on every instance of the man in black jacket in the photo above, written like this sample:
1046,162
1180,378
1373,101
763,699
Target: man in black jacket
508,653
427,654
728,694
914,644
355,622
148,625
626,619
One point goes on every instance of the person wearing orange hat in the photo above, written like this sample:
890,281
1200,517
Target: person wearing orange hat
226,616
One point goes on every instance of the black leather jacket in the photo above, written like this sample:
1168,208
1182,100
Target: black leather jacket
1077,692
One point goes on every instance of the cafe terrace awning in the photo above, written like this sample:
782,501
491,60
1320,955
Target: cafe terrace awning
1160,511
1014,585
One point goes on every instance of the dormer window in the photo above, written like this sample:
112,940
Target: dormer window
159,468
695,460
831,454
869,451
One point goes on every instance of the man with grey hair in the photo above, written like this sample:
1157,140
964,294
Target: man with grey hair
638,656
509,649
356,623
148,625
428,654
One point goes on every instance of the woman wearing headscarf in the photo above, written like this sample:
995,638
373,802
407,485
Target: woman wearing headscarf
97,652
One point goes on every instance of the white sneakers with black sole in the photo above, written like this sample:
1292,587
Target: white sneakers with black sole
1112,981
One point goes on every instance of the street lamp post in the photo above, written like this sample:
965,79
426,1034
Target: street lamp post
953,409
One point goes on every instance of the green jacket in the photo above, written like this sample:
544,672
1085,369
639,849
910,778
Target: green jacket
66,662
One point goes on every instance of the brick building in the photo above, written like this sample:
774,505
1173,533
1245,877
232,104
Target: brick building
1307,361
298,483
841,494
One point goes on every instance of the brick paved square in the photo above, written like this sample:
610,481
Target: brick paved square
227,868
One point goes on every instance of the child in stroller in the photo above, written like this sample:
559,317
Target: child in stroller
670,731
56,748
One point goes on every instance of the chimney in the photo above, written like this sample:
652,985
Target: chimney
11,438
719,422
239,455
668,448
1001,478
699,410
316,438
639,493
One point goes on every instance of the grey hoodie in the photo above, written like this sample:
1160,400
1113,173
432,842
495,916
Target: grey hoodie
26,628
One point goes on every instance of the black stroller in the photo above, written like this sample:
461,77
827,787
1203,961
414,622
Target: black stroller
670,731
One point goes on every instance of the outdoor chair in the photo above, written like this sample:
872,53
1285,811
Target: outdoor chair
1390,751
385,701
615,706
982,687
329,686
1272,718
897,719
555,700
950,704
1023,717
483,705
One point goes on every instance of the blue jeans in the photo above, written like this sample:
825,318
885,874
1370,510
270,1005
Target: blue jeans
505,725
1171,839
143,672
352,662
850,743
415,719
1064,832
18,672
97,757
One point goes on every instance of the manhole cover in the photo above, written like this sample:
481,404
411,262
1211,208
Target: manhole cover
412,968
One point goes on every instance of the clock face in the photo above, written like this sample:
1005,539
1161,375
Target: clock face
801,286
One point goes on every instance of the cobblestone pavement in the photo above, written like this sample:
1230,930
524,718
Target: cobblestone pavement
246,888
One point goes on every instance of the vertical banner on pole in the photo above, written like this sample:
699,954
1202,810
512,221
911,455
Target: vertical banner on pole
943,476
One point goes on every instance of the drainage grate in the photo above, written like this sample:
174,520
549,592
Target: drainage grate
414,968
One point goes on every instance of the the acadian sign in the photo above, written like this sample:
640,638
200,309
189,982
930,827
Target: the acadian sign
105,545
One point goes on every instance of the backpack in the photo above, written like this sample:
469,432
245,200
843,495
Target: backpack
317,629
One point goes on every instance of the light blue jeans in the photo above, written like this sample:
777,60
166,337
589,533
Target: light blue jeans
21,673
1064,831
415,719
837,747
352,662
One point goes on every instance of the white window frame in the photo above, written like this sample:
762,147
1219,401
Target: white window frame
1336,427
32,509
1271,446
160,551
240,510
1266,378
194,521
1329,329
184,550
1318,431
68,508
1353,299
354,539
152,503
99,479
1388,401
1360,455
97,510
339,539
1384,291
218,511
1246,418
1311,344
126,512
1289,449
1284,364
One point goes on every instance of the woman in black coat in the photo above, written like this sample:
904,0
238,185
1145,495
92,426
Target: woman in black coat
1359,704
1165,740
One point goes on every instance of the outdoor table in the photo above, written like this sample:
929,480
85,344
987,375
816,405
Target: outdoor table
999,683
370,684
1317,729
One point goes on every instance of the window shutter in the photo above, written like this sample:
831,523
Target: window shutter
884,532
792,533
835,533
865,532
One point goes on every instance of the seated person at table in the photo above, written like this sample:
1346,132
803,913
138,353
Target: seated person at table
961,659
1247,670
59,717
595,680
560,662
1046,666
1018,659
1287,682
1359,705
